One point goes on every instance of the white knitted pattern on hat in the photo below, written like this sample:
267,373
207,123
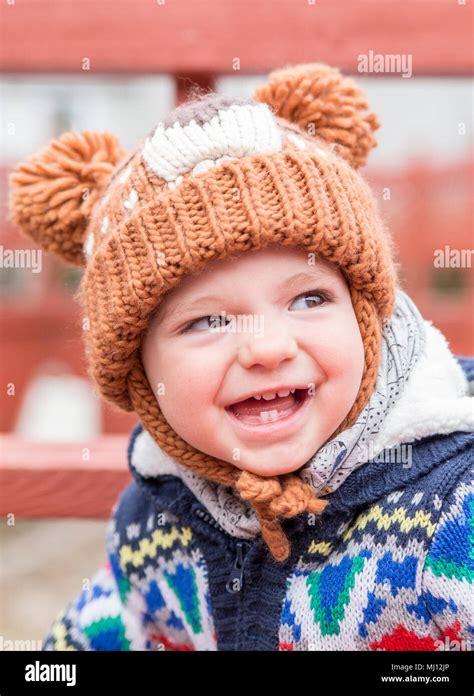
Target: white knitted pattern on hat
234,132
171,152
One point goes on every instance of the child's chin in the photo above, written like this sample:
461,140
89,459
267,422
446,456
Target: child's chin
269,469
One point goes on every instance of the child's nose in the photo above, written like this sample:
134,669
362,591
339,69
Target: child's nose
268,350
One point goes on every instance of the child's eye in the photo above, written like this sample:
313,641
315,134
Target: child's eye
219,321
318,298
216,321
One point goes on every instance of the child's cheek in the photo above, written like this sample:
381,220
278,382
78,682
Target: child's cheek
191,380
338,353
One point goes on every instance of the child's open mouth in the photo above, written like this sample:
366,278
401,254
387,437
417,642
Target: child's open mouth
267,408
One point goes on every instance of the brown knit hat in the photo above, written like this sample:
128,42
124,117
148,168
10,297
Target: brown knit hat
217,178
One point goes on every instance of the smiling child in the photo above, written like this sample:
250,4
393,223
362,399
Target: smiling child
302,462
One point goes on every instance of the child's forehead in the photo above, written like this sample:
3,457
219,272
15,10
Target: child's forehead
275,259
270,266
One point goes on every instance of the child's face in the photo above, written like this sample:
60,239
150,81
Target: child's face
289,330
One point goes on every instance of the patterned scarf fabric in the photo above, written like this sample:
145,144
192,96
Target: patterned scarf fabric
402,343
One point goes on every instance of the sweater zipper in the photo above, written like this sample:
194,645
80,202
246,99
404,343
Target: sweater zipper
236,578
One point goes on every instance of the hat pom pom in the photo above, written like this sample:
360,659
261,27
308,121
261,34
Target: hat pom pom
53,193
324,103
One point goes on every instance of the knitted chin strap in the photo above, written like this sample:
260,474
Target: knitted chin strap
146,219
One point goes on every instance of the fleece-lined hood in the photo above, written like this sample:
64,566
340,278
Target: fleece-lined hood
436,400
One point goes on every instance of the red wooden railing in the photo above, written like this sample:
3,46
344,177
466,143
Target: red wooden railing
44,479
194,38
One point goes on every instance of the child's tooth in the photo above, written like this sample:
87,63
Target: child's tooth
269,415
285,392
257,397
268,396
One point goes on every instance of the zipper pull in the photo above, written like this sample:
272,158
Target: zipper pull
236,579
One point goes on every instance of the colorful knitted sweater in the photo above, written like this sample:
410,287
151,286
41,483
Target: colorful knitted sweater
387,566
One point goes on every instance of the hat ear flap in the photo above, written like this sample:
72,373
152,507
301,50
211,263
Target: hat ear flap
323,103
53,193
